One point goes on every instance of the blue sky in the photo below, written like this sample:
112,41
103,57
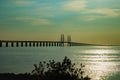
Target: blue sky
90,21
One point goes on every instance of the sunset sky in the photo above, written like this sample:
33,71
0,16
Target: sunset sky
87,21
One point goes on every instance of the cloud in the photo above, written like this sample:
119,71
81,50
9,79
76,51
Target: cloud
92,18
23,3
106,12
89,18
41,22
34,21
74,5
100,13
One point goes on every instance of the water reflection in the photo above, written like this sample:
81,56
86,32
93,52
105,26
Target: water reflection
102,62
99,64
100,70
100,51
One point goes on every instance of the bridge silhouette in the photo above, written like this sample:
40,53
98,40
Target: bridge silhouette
61,42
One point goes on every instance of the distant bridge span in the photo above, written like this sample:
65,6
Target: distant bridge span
20,43
14,43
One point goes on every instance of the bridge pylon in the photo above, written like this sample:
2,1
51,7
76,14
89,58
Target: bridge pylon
68,40
62,40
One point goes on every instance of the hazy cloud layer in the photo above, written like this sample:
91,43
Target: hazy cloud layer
23,3
74,5
34,21
107,12
101,14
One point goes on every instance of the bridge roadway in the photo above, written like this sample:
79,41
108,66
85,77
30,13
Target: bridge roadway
14,43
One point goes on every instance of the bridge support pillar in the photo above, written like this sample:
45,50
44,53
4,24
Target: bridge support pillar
0,43
71,44
46,44
40,44
49,44
17,44
57,44
68,43
37,44
25,44
12,44
6,44
61,44
43,44
34,44
30,44
54,43
21,44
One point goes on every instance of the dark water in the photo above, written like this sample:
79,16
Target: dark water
102,62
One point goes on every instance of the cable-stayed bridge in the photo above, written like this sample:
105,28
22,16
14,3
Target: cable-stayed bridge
61,42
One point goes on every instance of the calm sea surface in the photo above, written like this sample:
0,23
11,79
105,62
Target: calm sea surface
101,62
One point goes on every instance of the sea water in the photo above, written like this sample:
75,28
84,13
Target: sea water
101,62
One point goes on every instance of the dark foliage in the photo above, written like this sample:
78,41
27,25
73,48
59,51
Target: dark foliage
51,70
12,76
64,70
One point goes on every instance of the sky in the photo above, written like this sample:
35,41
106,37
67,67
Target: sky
87,21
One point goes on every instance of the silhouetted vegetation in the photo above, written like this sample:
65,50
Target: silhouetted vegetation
51,70
12,76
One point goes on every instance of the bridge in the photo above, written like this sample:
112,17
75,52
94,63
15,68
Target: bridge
62,42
